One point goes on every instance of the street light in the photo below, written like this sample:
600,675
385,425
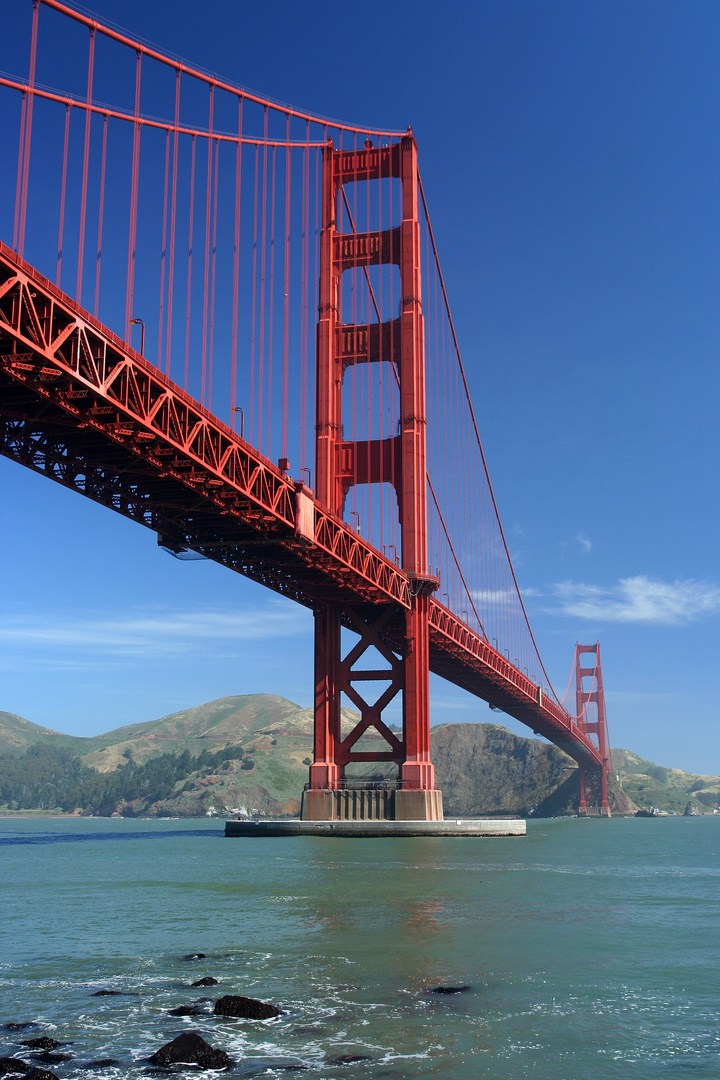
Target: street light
139,322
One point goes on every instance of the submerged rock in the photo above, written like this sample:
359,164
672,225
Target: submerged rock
449,989
101,1063
107,993
186,1010
349,1059
195,956
10,1065
48,1058
191,1049
20,1026
43,1042
207,981
245,1007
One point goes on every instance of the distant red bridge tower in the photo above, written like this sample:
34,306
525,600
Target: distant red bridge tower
596,725
399,459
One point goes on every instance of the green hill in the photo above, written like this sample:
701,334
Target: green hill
250,753
651,785
17,735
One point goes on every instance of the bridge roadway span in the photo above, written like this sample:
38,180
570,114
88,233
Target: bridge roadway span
81,407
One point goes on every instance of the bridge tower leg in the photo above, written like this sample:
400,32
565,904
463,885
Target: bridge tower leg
592,725
399,459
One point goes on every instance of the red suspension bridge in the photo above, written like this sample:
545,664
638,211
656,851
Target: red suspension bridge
298,409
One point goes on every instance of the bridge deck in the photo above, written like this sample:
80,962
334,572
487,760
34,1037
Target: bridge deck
80,406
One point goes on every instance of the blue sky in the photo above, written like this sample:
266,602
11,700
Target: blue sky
570,156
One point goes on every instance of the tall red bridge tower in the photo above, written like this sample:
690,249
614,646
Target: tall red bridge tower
400,459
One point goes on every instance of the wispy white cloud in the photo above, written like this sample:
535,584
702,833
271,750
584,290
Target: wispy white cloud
584,541
639,599
147,633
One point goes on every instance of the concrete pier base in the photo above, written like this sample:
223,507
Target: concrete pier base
372,803
377,828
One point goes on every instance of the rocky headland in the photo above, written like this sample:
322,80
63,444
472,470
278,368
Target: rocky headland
250,754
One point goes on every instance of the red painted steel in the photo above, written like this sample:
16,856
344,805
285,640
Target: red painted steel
400,459
589,725
78,404
80,407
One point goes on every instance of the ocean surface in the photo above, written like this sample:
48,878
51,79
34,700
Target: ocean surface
590,948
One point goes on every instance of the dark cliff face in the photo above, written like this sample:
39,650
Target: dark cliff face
485,769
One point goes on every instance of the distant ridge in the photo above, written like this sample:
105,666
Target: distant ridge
250,753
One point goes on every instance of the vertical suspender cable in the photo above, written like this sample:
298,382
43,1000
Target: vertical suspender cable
212,278
261,372
129,297
18,182
254,295
62,196
101,208
163,249
272,297
208,198
236,267
286,290
190,252
86,156
26,132
173,201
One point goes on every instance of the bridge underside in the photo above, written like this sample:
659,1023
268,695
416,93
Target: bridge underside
80,407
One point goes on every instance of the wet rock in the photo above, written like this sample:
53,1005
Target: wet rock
245,1007
43,1042
449,989
101,1063
195,956
41,1074
349,1059
186,1010
10,1065
191,1049
207,981
107,993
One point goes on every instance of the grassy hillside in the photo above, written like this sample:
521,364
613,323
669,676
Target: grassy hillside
17,735
250,753
651,785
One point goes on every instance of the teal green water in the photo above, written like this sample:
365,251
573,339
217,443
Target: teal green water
592,948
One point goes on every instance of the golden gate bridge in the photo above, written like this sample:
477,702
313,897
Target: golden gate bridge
296,405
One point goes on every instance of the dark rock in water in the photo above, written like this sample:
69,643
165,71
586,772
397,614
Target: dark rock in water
41,1074
107,993
195,956
186,1010
43,1042
101,1063
248,1008
48,1058
9,1065
207,981
191,1049
349,1059
449,989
